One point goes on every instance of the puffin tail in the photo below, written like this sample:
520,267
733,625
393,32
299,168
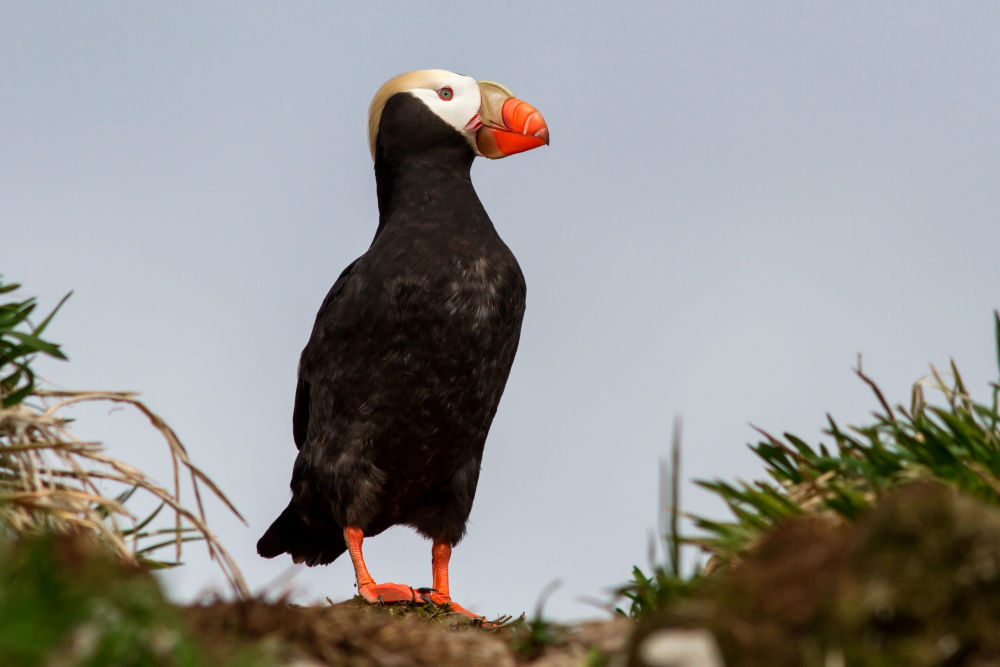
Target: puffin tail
290,534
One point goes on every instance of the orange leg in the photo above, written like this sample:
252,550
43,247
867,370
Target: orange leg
367,588
440,555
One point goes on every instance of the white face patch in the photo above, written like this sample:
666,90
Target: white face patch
456,108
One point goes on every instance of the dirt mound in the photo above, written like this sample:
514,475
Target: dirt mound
916,582
346,634
353,633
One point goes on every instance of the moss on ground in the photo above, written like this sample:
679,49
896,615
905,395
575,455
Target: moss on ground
65,601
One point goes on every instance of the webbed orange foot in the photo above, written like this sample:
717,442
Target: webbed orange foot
387,593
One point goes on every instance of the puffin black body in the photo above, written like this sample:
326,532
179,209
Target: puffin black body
408,357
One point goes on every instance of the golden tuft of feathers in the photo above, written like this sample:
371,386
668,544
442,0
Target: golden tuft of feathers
423,78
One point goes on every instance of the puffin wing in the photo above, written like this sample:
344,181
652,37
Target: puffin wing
300,413
290,533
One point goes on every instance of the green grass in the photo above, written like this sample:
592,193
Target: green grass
66,602
20,343
955,441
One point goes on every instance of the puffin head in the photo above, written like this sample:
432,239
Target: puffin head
483,114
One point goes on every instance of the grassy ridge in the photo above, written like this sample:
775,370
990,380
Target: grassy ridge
956,442
879,547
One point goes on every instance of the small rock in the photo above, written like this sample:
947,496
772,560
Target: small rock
679,647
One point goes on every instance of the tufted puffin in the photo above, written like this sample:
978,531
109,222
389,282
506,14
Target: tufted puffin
412,346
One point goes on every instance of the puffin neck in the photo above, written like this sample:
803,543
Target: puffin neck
428,178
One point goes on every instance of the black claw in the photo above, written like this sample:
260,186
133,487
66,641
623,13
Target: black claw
426,590
426,598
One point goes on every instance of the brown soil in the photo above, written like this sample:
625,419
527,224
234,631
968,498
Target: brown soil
353,633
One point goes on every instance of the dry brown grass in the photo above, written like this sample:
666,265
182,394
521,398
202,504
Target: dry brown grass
51,480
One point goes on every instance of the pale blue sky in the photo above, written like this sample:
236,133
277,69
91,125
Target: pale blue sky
738,199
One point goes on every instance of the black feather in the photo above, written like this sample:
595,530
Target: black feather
290,534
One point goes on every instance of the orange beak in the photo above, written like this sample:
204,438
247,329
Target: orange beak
509,125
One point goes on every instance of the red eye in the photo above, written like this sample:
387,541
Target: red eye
445,93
